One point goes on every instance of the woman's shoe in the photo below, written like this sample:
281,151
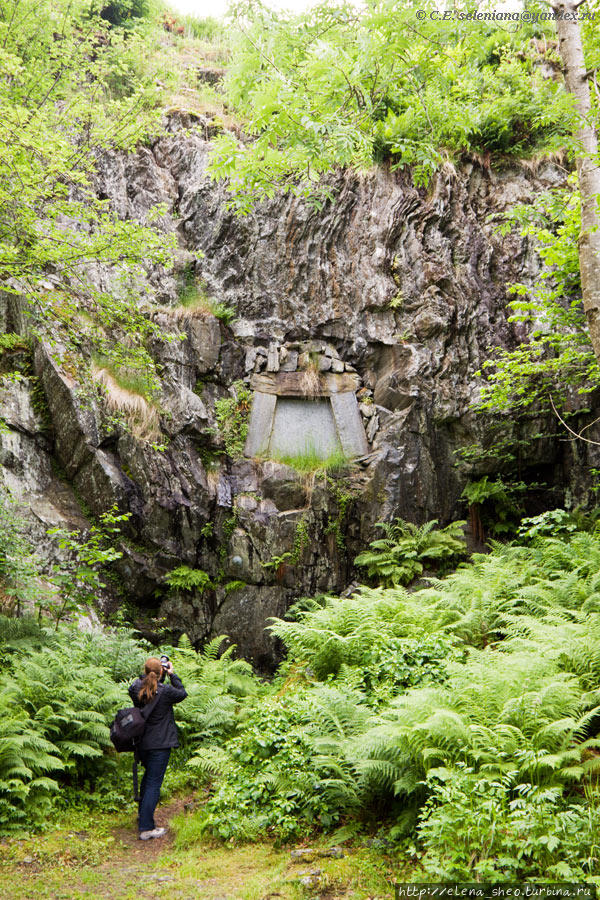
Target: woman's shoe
155,833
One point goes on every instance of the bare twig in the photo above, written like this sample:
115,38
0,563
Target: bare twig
578,435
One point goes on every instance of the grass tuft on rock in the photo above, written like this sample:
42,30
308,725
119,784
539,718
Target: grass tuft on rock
128,394
311,461
195,303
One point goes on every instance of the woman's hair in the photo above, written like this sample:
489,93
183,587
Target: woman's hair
152,672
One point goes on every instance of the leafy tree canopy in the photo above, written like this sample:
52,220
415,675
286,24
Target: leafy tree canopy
73,88
557,358
340,86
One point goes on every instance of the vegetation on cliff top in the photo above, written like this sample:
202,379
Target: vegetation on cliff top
341,86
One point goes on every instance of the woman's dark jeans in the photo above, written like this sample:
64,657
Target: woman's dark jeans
155,763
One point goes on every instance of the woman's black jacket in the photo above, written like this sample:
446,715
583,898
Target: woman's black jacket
161,731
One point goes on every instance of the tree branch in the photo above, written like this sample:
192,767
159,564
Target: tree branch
579,435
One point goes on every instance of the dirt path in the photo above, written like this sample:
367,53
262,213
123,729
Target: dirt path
106,861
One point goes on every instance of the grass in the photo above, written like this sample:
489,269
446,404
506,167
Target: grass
206,28
99,857
127,379
194,303
310,461
128,394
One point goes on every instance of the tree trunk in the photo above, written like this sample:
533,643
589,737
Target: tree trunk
588,170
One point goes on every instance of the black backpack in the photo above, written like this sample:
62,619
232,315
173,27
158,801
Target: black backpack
126,731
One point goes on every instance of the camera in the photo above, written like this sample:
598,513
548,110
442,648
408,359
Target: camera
164,661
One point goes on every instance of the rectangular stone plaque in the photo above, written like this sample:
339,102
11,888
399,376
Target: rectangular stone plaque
303,427
261,424
349,424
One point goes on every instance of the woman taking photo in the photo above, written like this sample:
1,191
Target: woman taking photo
160,735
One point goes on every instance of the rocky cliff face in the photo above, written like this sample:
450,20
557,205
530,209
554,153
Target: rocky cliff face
402,288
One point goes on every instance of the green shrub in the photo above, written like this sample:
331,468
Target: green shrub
406,549
476,827
232,414
386,695
462,716
184,578
59,691
365,631
283,773
219,688
58,698
550,523
465,88
27,762
495,505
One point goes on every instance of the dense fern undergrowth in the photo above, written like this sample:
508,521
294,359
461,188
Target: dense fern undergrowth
456,722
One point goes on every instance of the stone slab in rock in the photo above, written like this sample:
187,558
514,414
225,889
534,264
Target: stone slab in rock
261,424
302,426
349,424
292,384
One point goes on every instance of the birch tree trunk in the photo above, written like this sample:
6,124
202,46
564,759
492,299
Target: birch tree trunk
588,169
